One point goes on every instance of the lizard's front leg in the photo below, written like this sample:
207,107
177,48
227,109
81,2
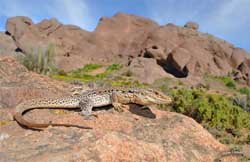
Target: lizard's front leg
118,106
86,108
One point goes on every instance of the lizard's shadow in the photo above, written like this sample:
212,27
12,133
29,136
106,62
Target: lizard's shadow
141,111
133,108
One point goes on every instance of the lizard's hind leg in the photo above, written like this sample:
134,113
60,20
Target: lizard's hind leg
86,108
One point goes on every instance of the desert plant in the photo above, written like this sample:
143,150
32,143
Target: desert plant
242,101
83,74
229,82
212,110
245,91
39,60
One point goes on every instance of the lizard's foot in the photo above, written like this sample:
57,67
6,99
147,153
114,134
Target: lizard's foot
86,107
87,115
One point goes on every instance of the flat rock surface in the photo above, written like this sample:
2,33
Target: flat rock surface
136,135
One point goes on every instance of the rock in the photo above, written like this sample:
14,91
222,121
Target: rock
124,37
156,52
146,70
244,72
179,58
7,44
16,26
33,41
238,57
207,53
177,61
138,134
244,67
18,84
168,137
192,25
49,26
222,64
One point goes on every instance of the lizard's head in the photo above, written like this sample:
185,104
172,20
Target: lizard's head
150,96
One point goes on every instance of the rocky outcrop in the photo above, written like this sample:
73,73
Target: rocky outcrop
16,26
114,137
243,75
177,62
7,45
123,35
146,70
238,57
181,51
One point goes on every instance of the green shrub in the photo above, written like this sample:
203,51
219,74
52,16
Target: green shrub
228,81
113,67
212,110
82,74
90,67
242,101
245,91
40,60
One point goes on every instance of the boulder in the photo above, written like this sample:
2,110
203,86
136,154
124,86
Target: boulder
179,58
32,41
156,52
147,135
7,44
238,57
49,26
146,70
244,69
16,26
177,61
123,35
192,25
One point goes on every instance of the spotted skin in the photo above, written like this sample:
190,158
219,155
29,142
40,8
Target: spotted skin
118,97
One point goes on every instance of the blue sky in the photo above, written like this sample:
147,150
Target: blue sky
227,19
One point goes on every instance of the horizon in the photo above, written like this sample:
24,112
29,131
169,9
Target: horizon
220,19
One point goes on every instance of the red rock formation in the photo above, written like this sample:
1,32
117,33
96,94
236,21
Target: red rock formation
182,51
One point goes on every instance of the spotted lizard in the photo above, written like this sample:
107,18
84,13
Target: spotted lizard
117,97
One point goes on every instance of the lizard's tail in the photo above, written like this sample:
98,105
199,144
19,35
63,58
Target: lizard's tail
68,103
19,118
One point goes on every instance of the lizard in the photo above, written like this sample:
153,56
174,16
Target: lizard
117,97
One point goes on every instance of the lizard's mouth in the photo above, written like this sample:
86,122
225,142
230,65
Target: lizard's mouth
164,100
